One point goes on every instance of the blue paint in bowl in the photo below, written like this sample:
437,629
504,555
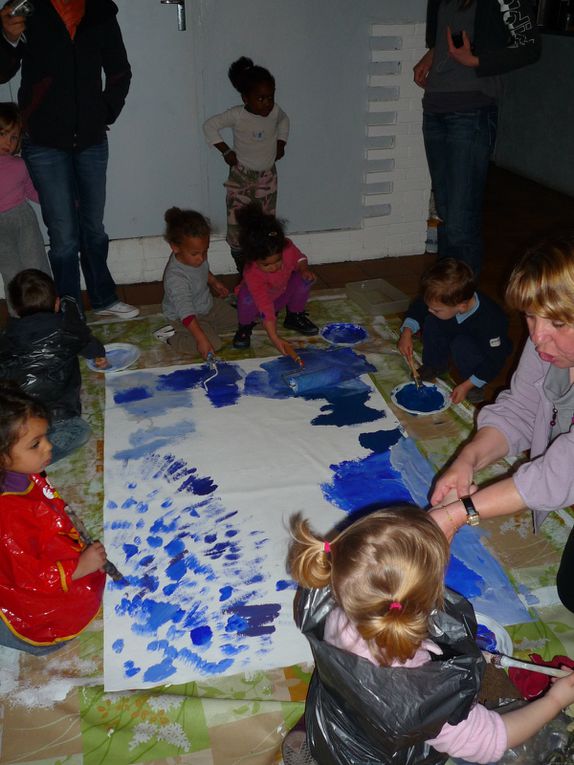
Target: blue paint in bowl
426,400
343,333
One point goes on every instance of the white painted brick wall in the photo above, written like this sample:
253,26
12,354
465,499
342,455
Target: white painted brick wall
402,232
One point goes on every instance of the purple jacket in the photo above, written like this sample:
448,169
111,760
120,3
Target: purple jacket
522,414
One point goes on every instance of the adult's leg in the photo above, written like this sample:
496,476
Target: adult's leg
52,172
469,144
66,436
434,135
90,167
565,576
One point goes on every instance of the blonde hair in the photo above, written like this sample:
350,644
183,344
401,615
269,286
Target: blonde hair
386,572
542,282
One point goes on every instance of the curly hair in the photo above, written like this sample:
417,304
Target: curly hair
16,407
542,282
32,291
386,572
245,75
183,223
260,234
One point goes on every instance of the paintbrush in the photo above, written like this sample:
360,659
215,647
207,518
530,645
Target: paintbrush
86,538
416,376
503,661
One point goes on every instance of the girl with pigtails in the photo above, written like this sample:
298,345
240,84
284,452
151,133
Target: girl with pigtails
397,668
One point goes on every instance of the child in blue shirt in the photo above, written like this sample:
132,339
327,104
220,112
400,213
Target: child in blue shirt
457,323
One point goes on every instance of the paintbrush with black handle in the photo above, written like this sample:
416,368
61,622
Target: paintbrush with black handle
86,538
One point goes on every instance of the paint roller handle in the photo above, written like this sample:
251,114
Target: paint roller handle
501,660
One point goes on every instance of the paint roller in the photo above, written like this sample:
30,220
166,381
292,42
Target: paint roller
307,381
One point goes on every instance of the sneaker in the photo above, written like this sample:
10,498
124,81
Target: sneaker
119,310
299,322
295,750
242,338
428,373
164,333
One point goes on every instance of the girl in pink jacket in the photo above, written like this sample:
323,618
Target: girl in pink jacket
276,276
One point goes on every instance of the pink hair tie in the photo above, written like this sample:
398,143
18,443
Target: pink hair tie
395,606
326,548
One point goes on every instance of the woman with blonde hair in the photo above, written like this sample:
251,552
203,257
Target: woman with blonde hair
397,669
535,414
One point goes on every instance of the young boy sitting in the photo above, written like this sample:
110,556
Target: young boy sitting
457,323
39,351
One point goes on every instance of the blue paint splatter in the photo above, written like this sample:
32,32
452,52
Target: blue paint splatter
201,635
159,672
118,646
129,395
381,440
225,592
130,669
285,584
253,621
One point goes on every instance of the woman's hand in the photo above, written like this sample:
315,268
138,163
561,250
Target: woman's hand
464,54
422,69
91,559
457,480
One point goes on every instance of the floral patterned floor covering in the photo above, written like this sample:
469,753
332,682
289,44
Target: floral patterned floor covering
53,710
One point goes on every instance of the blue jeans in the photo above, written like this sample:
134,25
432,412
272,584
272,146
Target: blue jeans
72,190
10,640
68,435
458,147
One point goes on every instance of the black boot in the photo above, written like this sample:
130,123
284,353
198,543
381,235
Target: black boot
242,338
299,322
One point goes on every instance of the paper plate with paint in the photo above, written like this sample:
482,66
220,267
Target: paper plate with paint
432,398
343,333
119,355
492,636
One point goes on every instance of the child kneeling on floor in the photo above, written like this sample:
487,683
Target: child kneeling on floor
196,315
397,668
457,322
51,584
276,275
39,351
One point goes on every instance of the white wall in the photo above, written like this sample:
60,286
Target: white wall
318,51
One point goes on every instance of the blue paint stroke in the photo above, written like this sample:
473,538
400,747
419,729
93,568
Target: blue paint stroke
380,440
222,390
497,597
343,333
185,543
118,646
368,482
148,440
415,470
485,639
253,621
426,399
347,406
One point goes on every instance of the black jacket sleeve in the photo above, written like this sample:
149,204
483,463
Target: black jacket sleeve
10,57
522,46
117,71
91,347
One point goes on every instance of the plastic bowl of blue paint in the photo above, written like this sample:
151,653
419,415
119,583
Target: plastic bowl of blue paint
492,636
343,333
119,355
432,398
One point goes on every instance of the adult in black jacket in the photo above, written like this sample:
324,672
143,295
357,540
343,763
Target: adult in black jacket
470,43
63,48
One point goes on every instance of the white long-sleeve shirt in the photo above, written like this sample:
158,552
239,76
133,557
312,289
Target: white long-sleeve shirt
254,137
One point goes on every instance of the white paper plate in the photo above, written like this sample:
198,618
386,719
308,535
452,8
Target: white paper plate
503,640
119,355
344,334
395,393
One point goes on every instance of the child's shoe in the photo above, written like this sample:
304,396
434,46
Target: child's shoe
428,373
299,322
164,333
242,338
475,395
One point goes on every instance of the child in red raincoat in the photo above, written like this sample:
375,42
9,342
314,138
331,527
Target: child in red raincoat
51,583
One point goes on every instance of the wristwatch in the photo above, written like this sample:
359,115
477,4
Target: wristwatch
472,516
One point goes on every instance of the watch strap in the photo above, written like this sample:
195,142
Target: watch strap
472,514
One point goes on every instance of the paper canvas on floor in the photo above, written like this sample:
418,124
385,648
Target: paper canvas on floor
199,488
